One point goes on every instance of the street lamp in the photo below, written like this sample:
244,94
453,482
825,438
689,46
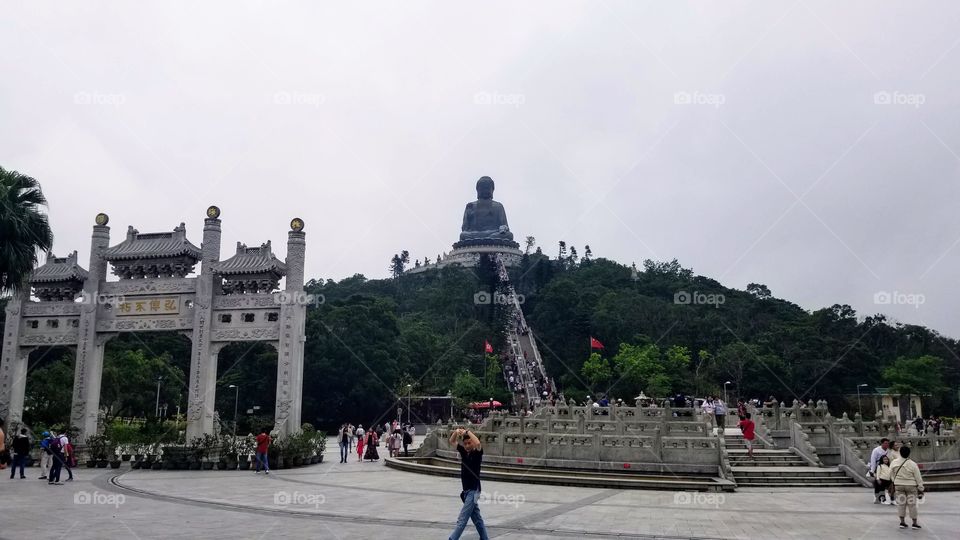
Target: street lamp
725,400
236,399
859,409
409,389
156,411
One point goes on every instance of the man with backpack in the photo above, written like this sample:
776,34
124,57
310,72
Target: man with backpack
69,458
56,450
407,440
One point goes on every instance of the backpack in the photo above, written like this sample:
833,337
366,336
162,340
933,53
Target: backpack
54,445
407,438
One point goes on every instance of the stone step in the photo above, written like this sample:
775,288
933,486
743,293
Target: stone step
796,484
786,472
761,463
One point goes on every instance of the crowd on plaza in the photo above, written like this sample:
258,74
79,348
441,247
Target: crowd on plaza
56,454
393,435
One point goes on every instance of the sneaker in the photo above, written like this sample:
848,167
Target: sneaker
43,478
916,526
903,525
256,472
266,472
70,479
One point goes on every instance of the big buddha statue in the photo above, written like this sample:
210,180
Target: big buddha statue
485,220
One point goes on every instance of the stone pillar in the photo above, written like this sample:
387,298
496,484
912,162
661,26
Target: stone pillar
89,364
203,358
13,366
293,316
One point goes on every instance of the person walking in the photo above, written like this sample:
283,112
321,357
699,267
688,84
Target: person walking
720,410
21,449
361,440
46,455
371,446
263,448
749,433
407,440
471,457
908,486
344,440
69,457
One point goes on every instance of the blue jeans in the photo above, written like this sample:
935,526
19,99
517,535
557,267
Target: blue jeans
262,458
344,451
19,460
470,510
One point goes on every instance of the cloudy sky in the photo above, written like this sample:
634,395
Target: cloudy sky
809,146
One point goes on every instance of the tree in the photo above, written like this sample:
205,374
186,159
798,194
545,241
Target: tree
587,253
398,263
759,290
573,256
597,370
24,230
530,242
915,376
562,255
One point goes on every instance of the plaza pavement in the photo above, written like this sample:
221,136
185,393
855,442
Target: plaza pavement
369,500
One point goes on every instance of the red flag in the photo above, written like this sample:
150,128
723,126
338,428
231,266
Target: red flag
594,344
487,347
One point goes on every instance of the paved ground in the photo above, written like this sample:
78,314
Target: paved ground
368,500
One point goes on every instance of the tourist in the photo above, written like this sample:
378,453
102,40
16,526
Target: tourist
770,402
361,439
46,455
471,456
749,433
908,486
57,459
343,437
894,452
720,410
918,424
407,440
21,450
878,452
741,409
371,446
881,484
69,457
263,448
396,441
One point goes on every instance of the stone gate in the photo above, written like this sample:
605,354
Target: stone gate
227,301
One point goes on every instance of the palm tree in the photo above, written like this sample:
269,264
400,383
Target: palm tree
24,230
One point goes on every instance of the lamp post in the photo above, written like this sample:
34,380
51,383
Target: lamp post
725,400
409,389
859,409
156,411
236,399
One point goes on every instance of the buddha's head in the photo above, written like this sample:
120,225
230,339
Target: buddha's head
485,188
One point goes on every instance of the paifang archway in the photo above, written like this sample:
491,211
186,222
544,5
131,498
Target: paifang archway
236,299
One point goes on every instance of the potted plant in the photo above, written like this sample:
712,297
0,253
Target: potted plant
245,448
196,453
97,444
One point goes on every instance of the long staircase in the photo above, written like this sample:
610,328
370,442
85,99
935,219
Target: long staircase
777,467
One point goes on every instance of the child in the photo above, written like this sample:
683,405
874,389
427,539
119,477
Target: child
882,482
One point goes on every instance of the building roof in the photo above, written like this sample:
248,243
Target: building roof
59,269
251,260
153,246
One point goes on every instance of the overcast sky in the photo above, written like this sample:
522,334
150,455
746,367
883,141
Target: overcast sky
809,146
